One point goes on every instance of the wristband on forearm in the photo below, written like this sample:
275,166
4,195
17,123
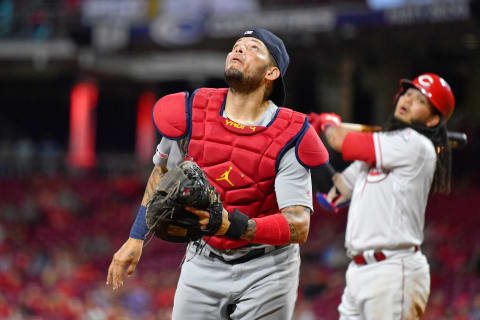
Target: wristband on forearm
139,228
238,224
273,230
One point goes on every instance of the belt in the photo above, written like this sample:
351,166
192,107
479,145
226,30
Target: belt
377,255
252,254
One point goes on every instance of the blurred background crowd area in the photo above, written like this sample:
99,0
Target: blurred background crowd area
58,234
78,79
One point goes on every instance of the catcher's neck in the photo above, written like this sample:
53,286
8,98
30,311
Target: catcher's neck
246,107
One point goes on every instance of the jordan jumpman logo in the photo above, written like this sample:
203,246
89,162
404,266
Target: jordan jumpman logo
224,176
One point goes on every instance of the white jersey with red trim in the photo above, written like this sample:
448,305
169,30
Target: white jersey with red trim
387,209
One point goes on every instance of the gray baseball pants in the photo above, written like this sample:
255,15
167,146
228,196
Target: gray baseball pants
262,288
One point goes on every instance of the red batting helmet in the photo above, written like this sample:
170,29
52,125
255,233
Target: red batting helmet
435,88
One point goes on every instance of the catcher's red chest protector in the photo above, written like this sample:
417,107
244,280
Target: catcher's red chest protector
240,161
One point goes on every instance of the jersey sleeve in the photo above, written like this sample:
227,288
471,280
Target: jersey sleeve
397,148
168,154
351,173
293,183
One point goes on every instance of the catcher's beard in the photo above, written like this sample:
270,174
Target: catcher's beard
241,83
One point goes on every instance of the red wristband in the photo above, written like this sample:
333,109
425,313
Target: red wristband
358,146
272,230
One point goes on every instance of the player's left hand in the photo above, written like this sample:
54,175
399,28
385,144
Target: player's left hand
320,121
204,218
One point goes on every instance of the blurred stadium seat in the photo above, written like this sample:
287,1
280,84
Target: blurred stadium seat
60,226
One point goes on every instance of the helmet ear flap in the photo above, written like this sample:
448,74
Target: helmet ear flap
397,95
404,85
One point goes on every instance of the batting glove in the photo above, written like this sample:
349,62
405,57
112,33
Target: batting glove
323,120
333,201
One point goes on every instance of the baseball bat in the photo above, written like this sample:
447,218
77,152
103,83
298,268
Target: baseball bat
457,140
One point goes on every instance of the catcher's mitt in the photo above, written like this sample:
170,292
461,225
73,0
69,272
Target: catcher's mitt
184,186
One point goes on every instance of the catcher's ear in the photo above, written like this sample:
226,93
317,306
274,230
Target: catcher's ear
169,116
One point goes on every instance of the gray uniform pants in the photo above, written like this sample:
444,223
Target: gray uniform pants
262,288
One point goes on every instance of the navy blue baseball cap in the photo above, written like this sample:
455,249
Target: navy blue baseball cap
278,51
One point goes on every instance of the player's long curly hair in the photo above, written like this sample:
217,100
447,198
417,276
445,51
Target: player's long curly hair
439,138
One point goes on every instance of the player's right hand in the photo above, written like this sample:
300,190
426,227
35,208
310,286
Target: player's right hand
126,257
204,219
326,204
333,201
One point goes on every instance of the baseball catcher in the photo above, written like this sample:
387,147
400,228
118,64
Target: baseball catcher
257,155
184,186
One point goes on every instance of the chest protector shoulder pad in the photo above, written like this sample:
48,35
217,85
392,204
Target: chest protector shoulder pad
171,115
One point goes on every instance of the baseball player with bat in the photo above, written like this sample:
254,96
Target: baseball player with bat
388,185
257,155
